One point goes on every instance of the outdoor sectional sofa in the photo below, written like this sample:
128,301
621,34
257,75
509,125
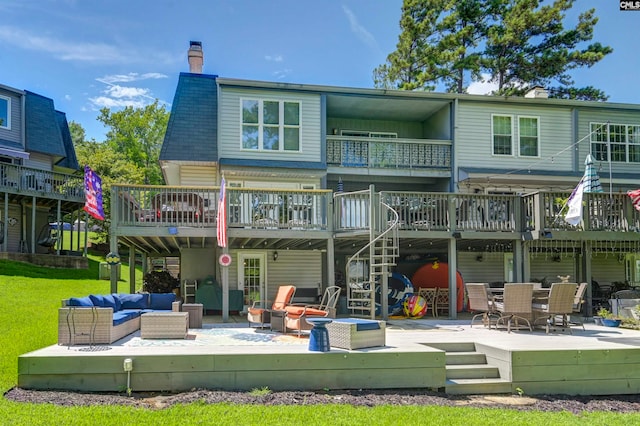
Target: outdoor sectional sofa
103,319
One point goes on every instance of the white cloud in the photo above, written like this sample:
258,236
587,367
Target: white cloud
483,87
280,74
66,50
105,101
67,97
276,58
132,76
117,91
361,32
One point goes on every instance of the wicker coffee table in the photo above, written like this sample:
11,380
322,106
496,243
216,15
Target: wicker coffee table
356,333
165,325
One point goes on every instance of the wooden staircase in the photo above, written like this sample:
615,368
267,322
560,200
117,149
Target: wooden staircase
468,373
379,255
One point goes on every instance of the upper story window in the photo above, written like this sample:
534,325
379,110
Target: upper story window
615,142
529,131
527,135
5,112
270,125
502,130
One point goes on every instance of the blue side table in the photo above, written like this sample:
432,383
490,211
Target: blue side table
319,335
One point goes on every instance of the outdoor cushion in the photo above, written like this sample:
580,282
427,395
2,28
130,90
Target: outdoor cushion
80,301
116,299
298,310
98,300
121,317
161,301
109,302
361,324
134,301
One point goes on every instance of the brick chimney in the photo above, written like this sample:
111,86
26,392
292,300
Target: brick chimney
196,58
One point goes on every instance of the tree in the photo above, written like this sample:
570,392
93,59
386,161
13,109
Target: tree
529,47
110,165
519,43
137,133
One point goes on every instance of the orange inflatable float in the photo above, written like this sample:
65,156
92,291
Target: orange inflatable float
436,274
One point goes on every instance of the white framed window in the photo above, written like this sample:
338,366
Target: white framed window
270,125
502,134
615,142
5,112
529,136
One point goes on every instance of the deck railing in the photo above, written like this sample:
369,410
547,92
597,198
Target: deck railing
143,205
153,206
27,180
388,153
600,212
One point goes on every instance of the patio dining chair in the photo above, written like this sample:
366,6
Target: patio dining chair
441,304
296,315
259,313
482,302
560,304
429,295
515,306
578,304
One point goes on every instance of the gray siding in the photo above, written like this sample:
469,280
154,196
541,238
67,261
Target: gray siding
38,161
474,145
408,130
230,125
438,126
613,116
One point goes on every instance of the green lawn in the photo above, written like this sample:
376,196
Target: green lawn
28,308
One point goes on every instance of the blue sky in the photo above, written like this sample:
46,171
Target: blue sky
87,54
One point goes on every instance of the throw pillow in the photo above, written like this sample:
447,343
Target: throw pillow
80,301
109,302
116,298
134,301
162,301
98,300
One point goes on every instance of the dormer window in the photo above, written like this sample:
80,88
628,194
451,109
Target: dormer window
270,125
5,112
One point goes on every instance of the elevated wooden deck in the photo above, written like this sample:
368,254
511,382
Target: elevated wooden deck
598,360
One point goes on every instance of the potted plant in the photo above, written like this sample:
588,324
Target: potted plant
608,319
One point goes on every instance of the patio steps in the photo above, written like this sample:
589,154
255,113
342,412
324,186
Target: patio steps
467,371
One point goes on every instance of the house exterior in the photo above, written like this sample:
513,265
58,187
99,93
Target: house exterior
39,177
350,186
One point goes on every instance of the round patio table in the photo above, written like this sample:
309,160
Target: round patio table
319,335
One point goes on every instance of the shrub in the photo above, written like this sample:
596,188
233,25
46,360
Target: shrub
160,282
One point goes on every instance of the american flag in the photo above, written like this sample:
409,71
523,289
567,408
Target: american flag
221,225
635,198
93,194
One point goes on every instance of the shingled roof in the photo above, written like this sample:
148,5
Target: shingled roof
192,131
42,130
70,161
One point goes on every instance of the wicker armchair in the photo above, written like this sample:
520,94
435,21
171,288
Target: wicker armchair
560,304
481,301
515,306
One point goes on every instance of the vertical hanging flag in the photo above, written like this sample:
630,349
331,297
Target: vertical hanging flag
221,225
635,198
574,214
93,194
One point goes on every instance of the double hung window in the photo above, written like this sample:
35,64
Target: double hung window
270,125
615,142
5,112
504,134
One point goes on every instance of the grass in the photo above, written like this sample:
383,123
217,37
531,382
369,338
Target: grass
28,310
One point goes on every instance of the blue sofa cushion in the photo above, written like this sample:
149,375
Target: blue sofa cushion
161,301
80,301
121,317
116,299
361,324
109,302
97,299
134,301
